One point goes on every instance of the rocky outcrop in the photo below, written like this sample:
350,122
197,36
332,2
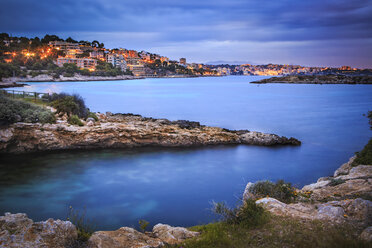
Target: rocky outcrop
125,131
172,235
18,231
348,182
358,211
318,79
129,237
123,237
343,198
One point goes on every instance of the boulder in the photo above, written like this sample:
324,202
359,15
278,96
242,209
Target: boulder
172,235
18,231
90,123
367,234
124,237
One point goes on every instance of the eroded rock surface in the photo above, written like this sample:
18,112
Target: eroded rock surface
18,231
172,235
125,131
123,237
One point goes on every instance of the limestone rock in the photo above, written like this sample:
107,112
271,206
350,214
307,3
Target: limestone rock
172,235
6,134
367,234
18,231
125,131
359,210
123,237
345,168
360,171
316,185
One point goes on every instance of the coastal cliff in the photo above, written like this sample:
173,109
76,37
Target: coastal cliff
125,131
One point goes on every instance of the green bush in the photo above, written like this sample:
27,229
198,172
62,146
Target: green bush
248,215
92,115
69,104
364,156
280,190
85,228
74,120
12,111
335,182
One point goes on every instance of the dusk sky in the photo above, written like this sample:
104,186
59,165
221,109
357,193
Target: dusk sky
313,33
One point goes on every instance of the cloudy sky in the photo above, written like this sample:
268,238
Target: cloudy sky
315,33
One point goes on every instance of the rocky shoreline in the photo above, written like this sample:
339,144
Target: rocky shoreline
21,81
125,131
318,79
319,201
344,198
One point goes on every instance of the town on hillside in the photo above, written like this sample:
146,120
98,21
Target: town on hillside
52,55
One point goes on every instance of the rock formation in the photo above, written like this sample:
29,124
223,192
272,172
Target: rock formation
18,231
125,131
342,198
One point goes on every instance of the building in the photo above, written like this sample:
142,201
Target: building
63,45
135,66
117,60
183,61
98,54
83,63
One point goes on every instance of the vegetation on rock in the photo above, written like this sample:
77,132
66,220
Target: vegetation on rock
282,191
74,120
69,104
365,156
12,111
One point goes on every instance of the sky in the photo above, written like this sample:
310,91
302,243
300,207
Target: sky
311,33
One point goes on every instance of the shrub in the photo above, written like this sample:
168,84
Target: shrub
85,228
143,225
92,115
12,111
248,215
69,104
364,156
335,182
280,190
74,120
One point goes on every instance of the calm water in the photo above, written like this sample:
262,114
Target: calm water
176,186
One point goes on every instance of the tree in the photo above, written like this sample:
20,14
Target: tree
95,43
47,38
69,39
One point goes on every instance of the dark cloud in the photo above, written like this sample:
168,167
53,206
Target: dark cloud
164,23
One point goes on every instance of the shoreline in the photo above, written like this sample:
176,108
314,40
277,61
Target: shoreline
20,81
317,79
350,210
126,131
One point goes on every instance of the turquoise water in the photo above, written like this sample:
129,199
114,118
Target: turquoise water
177,186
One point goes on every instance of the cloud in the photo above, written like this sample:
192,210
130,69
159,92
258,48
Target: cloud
166,23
